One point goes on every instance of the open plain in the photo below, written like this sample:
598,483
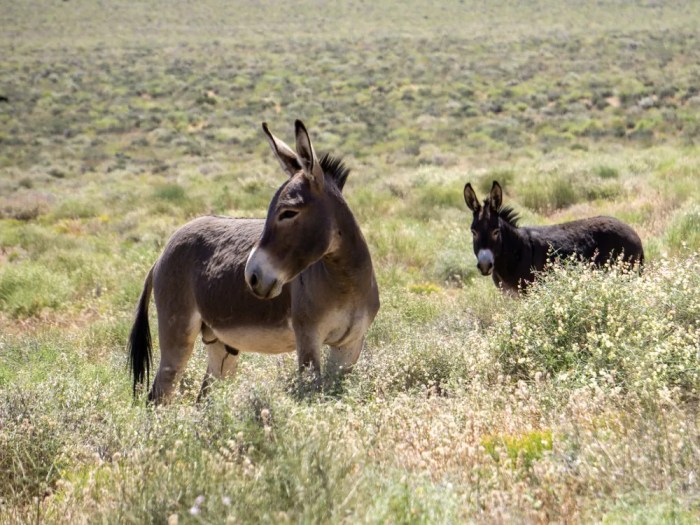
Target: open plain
122,120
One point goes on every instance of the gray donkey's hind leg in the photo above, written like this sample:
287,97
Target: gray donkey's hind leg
223,361
176,334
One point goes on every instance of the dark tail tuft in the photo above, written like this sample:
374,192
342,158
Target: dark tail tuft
140,346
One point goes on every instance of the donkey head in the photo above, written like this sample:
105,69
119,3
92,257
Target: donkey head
299,221
486,228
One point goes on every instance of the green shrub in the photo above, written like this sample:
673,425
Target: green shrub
254,194
607,172
30,463
547,192
523,449
684,231
27,289
394,501
550,191
432,196
75,209
505,178
582,325
35,239
171,192
603,189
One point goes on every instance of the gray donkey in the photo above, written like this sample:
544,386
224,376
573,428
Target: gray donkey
299,279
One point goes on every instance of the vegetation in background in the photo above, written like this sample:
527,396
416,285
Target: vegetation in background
575,403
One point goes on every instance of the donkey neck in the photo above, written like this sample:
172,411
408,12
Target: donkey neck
347,258
515,251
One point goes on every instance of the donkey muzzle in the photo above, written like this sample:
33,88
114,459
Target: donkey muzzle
261,276
484,261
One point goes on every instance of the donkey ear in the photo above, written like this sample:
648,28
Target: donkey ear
307,156
470,198
496,196
285,155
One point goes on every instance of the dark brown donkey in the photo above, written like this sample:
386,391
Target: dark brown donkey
512,254
308,271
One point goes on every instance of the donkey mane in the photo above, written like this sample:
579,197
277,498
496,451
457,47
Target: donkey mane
509,215
506,213
336,169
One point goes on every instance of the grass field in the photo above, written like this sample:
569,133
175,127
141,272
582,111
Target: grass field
120,121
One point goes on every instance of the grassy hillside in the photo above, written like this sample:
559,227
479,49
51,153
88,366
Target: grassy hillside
120,121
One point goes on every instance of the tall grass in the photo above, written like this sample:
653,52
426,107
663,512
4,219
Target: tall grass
528,416
617,328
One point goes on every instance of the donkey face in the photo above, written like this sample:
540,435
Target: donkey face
298,227
486,229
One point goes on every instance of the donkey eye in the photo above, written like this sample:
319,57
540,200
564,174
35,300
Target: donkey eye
288,214
475,233
495,233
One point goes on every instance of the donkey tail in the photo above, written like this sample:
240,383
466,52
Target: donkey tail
140,347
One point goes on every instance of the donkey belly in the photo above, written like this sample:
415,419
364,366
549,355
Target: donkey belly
246,323
259,339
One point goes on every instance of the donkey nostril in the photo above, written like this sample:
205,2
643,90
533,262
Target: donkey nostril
253,280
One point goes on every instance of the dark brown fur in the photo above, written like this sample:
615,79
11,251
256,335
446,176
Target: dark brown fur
520,252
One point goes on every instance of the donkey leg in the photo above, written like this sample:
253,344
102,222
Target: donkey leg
222,363
177,335
341,359
309,354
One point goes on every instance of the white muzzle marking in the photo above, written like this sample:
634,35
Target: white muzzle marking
485,261
262,276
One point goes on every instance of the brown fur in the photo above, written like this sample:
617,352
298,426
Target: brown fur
323,289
